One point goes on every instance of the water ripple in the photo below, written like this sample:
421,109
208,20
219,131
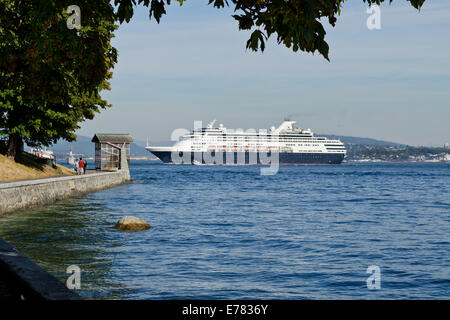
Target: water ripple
225,232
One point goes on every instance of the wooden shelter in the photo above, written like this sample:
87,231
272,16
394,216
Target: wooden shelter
107,150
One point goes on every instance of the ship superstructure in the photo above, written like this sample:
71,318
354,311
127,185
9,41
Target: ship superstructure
219,145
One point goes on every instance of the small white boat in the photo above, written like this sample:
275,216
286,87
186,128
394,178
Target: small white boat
42,153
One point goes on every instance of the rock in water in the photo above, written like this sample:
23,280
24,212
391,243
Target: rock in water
132,224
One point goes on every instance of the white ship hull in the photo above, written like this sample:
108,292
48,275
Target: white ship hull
284,145
245,158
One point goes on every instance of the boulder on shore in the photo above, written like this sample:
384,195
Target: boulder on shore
130,223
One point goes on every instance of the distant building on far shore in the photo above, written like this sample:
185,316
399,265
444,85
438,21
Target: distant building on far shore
447,146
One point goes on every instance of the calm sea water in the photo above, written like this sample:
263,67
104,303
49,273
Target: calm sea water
226,232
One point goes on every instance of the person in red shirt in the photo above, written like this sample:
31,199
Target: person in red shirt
81,166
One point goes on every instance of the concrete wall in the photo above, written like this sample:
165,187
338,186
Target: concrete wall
22,279
23,194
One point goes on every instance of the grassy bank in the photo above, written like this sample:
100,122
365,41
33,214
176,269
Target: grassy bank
26,167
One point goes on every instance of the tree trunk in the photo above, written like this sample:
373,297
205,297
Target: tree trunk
15,145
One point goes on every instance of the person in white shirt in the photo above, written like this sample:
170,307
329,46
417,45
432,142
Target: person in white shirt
76,166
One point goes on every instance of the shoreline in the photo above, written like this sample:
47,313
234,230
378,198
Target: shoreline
396,161
22,279
23,194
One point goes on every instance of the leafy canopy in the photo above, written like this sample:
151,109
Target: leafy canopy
296,23
51,76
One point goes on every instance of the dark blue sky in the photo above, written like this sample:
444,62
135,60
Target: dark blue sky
391,84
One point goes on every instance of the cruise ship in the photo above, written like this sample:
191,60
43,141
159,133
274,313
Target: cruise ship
286,144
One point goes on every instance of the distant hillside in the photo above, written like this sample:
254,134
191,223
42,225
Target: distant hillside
362,141
85,147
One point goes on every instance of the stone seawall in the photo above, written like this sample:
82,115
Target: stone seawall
28,193
22,279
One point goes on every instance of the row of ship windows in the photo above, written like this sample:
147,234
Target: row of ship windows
291,142
301,145
260,144
262,133
262,137
259,137
282,150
